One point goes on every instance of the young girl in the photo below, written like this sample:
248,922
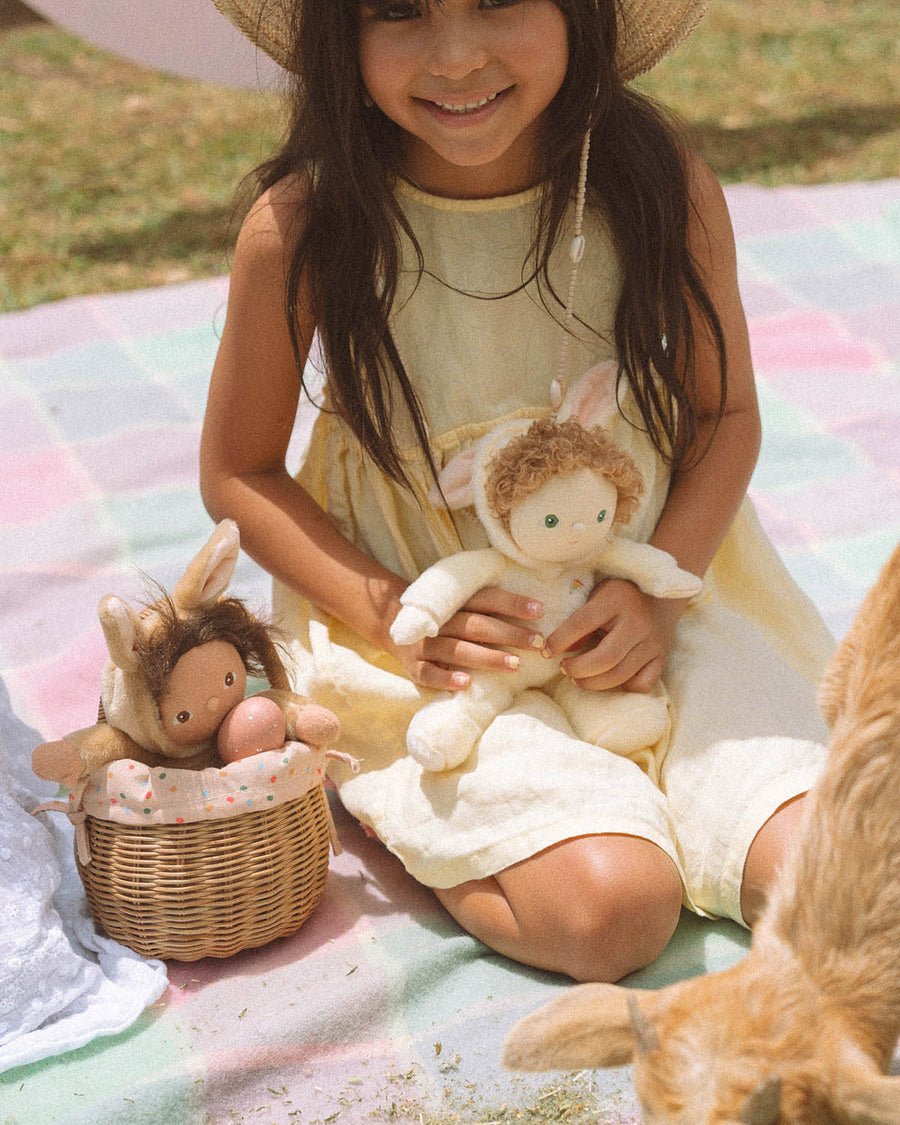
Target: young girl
418,218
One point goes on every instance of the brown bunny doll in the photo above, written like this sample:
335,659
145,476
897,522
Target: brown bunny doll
176,670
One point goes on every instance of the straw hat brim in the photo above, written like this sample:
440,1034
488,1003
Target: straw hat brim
648,29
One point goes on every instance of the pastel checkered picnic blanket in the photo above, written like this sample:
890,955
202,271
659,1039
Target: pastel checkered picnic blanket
379,1008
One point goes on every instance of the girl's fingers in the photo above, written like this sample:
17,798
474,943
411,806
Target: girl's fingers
603,652
648,677
476,639
567,636
472,642
455,653
482,629
593,619
598,670
433,676
492,601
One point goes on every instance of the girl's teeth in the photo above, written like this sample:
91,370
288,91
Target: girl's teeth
468,107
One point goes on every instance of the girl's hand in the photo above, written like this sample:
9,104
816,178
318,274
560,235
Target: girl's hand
474,639
629,633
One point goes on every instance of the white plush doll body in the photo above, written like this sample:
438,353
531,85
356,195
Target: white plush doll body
549,494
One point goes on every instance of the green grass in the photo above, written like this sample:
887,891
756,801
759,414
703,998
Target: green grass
111,176
776,93
114,177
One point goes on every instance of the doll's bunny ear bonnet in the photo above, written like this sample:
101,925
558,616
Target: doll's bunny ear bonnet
591,402
205,579
648,29
126,700
208,574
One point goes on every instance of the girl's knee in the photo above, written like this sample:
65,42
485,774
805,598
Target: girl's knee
765,857
595,908
616,912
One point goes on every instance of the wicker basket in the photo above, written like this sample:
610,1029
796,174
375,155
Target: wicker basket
183,864
211,888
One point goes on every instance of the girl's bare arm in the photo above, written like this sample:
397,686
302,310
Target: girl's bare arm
638,631
704,499
253,399
250,413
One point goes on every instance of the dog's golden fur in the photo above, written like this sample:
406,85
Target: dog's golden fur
802,1031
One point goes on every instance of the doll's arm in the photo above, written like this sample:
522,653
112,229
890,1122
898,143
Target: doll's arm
81,752
441,590
305,721
653,570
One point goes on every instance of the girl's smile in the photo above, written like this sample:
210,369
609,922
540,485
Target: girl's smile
468,82
469,112
469,107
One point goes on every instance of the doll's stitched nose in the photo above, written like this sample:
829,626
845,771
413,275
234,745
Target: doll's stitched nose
212,704
578,526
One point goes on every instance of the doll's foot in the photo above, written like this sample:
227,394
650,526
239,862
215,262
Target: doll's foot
439,738
638,721
619,721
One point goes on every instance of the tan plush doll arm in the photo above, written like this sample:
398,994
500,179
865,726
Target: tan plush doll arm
80,753
305,721
441,590
653,570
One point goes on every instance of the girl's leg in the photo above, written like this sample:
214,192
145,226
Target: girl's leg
593,907
765,855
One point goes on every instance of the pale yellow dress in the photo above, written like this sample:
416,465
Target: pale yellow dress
744,735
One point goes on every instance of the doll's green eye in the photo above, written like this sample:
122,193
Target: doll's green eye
183,717
602,516
551,521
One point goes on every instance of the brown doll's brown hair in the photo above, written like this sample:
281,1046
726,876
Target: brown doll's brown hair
177,631
554,449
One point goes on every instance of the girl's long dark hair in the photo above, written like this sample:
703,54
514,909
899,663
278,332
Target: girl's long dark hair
348,251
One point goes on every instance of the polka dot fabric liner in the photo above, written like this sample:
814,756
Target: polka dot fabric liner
128,792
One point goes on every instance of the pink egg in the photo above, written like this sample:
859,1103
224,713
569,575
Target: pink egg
254,725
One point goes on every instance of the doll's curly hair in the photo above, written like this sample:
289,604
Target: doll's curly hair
549,449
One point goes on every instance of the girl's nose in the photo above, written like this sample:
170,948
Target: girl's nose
212,704
456,50
578,526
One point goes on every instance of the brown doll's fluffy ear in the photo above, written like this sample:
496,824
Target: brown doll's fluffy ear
590,1025
121,627
209,572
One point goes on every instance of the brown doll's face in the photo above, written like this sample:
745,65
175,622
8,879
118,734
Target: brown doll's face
204,686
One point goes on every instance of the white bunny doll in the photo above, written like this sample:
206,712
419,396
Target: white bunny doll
549,494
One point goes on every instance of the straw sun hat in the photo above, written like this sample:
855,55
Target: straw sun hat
648,29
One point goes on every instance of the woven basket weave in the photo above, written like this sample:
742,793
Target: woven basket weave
209,888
